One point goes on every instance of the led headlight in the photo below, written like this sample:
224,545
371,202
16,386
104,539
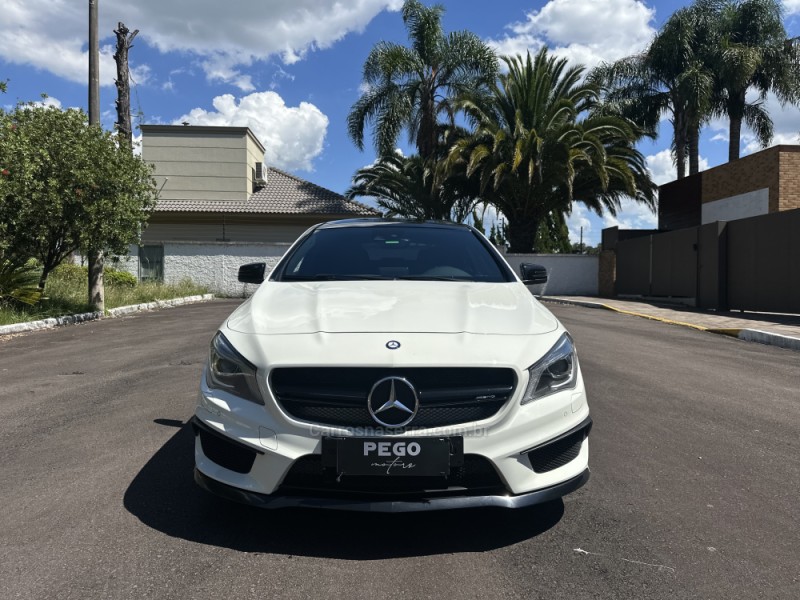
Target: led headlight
555,371
230,371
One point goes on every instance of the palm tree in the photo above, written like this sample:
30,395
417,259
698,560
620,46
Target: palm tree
415,188
672,76
542,141
752,54
413,87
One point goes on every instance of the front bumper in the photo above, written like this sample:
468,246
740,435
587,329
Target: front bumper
390,506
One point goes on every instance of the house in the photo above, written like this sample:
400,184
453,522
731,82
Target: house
220,206
758,184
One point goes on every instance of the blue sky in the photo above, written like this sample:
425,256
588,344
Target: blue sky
291,69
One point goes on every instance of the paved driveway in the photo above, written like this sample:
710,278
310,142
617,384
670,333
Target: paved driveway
695,475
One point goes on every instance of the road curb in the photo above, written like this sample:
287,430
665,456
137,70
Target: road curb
112,313
746,334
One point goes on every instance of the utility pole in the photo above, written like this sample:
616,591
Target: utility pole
95,255
124,127
94,66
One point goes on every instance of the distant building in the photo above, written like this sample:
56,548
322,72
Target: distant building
758,184
220,206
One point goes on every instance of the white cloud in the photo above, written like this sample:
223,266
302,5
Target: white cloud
579,218
662,168
49,101
785,120
293,136
585,32
53,35
791,7
632,215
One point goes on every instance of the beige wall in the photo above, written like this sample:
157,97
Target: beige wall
217,227
202,163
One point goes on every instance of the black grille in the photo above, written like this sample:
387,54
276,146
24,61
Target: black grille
338,396
307,475
558,453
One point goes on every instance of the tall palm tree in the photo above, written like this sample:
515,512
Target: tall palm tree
541,141
414,87
672,76
752,55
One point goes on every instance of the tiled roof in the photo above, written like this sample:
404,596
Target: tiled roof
282,194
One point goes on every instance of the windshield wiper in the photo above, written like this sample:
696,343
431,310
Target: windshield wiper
433,278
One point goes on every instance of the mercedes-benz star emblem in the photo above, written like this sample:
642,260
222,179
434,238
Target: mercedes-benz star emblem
393,402
392,344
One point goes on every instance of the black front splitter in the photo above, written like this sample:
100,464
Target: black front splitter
389,506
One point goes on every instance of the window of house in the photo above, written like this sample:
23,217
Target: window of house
151,263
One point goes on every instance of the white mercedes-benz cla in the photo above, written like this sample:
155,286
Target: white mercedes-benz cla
392,366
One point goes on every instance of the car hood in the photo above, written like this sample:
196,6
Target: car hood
392,307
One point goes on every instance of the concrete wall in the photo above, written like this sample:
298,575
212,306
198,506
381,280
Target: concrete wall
214,265
742,206
567,274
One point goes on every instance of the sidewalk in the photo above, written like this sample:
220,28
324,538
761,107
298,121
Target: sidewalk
766,328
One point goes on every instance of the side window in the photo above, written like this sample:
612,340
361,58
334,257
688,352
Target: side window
151,263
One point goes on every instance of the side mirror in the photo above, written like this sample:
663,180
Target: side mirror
532,274
252,273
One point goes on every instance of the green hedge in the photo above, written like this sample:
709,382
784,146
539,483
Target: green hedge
73,273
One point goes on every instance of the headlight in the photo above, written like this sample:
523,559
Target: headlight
556,371
230,371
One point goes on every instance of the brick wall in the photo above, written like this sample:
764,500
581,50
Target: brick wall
747,174
790,178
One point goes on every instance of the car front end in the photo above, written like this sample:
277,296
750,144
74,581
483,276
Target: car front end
392,394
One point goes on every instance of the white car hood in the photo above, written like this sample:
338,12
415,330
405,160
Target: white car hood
392,307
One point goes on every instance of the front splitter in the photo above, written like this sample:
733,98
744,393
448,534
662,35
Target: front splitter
274,501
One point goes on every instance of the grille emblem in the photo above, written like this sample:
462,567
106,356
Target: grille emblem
393,402
392,344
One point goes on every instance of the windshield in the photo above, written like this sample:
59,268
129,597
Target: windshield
393,252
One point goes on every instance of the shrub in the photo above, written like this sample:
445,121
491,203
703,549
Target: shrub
76,274
119,278
70,273
19,282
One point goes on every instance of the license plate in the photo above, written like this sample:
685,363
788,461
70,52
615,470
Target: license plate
406,457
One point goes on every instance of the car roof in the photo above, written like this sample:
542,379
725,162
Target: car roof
379,222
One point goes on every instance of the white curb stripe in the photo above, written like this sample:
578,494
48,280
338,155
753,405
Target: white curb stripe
91,316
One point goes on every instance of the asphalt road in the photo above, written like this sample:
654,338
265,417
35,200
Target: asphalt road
695,459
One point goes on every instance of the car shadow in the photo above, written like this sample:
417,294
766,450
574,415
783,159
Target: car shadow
163,496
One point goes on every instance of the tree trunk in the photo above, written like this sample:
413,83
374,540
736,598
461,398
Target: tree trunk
426,136
680,160
96,291
522,233
735,138
679,139
694,151
123,103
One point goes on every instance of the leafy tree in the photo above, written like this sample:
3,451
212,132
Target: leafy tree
752,54
413,87
65,186
414,188
542,141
